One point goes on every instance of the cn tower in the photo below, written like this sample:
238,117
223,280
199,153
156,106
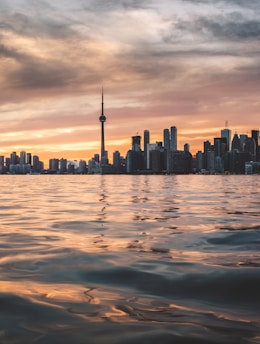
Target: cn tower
102,119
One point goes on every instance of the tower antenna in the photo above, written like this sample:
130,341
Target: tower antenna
226,124
102,109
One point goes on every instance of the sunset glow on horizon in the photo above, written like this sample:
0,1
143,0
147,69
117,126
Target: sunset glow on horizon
189,64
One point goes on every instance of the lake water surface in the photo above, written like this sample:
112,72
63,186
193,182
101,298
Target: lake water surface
130,259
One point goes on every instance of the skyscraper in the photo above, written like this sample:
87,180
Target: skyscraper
207,147
226,133
22,157
220,146
14,158
102,119
136,143
116,160
255,136
146,138
250,147
236,143
28,158
146,142
173,142
243,139
166,139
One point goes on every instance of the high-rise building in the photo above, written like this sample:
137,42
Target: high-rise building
22,157
37,165
134,161
2,164
200,161
255,136
207,147
211,161
136,143
166,139
146,142
14,159
166,145
63,165
116,160
243,139
226,133
146,138
173,143
35,162
28,158
220,146
82,167
53,165
102,120
155,157
250,147
236,143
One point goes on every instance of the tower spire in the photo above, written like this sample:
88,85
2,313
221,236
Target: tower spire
102,111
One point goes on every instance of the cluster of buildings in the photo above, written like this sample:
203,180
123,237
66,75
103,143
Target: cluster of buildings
155,158
225,155
26,163
237,155
152,158
23,164
241,155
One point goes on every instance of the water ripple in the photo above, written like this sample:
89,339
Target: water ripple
165,257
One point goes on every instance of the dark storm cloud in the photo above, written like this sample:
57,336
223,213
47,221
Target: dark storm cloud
252,4
36,25
111,5
224,28
32,72
41,75
6,52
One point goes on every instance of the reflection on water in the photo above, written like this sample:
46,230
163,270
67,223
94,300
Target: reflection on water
172,259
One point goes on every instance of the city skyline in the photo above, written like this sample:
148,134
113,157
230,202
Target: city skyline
168,141
193,65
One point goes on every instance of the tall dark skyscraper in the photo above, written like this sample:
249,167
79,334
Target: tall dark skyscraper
220,146
146,142
166,139
146,139
236,143
136,143
173,142
226,133
255,136
102,119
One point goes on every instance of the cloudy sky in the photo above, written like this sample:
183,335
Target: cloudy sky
194,64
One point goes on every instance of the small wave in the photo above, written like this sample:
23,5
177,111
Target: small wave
237,239
241,228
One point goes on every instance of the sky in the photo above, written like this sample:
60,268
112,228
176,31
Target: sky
193,64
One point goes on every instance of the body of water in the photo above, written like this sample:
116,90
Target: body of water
130,259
